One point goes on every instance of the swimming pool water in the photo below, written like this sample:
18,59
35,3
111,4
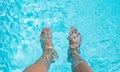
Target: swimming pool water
21,22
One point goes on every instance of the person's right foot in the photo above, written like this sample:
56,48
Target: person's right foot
74,43
74,38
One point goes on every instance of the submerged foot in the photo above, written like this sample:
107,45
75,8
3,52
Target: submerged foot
46,38
74,38
74,43
46,42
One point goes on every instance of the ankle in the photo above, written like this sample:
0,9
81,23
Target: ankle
49,56
73,53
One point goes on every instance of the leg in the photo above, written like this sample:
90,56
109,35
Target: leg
78,64
43,64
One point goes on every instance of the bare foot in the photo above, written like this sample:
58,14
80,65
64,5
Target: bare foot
46,38
46,43
74,38
74,43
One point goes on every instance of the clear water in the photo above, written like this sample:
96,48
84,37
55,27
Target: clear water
21,22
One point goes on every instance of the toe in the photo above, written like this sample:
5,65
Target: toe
78,35
48,29
43,31
73,30
43,34
48,32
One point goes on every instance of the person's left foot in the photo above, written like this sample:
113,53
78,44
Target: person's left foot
46,38
49,53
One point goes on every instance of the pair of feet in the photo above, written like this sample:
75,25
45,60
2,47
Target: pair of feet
46,39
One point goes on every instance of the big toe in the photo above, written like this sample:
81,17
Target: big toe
73,30
48,32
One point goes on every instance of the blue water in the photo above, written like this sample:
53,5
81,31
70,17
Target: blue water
21,22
